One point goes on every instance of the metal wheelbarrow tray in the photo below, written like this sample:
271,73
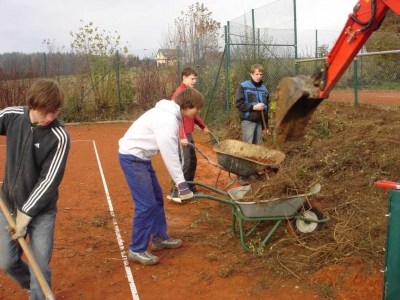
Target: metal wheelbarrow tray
275,207
246,159
293,209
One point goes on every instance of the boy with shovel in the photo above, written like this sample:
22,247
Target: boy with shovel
252,101
36,155
189,79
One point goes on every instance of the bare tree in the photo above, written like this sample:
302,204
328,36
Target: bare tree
194,30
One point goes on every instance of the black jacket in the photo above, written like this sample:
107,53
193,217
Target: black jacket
35,161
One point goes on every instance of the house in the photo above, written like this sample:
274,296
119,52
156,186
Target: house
167,57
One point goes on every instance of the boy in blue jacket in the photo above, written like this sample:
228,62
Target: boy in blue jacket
252,99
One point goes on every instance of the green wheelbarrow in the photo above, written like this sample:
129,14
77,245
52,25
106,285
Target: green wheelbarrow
243,159
293,209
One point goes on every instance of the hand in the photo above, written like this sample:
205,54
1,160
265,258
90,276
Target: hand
259,106
185,194
21,226
206,131
184,142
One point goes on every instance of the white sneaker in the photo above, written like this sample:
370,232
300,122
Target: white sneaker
145,258
174,196
170,243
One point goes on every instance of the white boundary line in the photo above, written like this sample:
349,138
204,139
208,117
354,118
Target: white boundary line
128,270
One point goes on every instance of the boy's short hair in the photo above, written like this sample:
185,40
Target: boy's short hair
45,95
188,71
256,67
189,98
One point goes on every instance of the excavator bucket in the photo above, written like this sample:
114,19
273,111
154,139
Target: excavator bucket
296,100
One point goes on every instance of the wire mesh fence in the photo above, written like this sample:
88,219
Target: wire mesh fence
123,85
372,78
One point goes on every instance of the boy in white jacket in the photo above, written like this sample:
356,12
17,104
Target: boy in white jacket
155,131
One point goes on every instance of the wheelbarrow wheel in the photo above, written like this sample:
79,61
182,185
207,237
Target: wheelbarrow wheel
299,226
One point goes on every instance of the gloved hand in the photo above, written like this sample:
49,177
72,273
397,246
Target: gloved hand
185,194
21,226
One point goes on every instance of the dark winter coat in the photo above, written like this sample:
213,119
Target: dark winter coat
36,157
248,94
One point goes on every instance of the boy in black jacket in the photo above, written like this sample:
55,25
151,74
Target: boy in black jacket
36,155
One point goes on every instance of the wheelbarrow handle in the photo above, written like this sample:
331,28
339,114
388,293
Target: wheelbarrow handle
32,261
388,184
228,200
211,188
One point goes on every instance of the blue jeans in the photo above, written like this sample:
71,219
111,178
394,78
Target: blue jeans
41,239
149,217
251,132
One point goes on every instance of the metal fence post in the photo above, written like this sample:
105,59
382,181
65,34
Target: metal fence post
316,47
45,64
178,53
254,33
295,33
198,64
118,85
227,43
355,83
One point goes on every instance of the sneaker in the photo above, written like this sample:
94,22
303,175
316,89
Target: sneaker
145,258
174,195
194,190
170,243
242,181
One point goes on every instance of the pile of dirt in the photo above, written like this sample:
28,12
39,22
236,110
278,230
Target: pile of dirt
346,149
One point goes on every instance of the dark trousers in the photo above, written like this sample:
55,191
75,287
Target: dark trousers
189,161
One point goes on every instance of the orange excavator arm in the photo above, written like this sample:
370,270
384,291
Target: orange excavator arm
298,97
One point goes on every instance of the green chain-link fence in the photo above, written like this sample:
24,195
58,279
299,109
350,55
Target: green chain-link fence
120,86
372,78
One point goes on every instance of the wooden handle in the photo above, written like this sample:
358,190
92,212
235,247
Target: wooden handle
42,281
263,119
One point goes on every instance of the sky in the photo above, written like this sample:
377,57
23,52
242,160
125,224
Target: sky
25,24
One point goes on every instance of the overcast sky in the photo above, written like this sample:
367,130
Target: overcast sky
24,24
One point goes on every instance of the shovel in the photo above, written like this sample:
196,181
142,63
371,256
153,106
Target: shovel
24,245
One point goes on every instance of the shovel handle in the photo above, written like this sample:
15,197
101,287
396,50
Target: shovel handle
24,245
206,157
214,137
263,120
388,184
